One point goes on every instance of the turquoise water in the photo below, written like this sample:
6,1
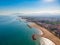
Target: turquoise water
16,32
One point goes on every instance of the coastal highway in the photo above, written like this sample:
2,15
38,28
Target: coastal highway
47,34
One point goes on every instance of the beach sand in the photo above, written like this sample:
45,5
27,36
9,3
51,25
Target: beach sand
47,34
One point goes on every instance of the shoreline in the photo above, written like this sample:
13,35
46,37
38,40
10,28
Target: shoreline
46,33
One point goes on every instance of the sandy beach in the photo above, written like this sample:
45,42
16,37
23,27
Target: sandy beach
47,34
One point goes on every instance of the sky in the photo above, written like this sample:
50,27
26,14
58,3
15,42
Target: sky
29,6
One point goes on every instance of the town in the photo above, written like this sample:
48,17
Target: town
50,23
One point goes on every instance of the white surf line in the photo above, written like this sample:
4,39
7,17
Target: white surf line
46,41
40,32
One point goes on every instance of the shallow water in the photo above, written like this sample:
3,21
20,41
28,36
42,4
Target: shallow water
15,32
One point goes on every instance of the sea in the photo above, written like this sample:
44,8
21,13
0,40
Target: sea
13,31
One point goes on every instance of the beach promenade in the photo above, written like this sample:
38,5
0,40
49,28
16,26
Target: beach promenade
47,34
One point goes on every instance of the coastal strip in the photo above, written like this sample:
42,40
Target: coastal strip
47,34
29,26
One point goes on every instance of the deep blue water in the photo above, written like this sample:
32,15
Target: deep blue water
16,32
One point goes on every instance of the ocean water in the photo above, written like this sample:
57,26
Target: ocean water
16,32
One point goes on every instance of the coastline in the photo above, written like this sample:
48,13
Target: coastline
46,33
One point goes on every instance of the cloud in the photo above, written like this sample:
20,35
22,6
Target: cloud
41,12
49,1
46,11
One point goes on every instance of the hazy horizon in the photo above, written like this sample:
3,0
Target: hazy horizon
29,7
